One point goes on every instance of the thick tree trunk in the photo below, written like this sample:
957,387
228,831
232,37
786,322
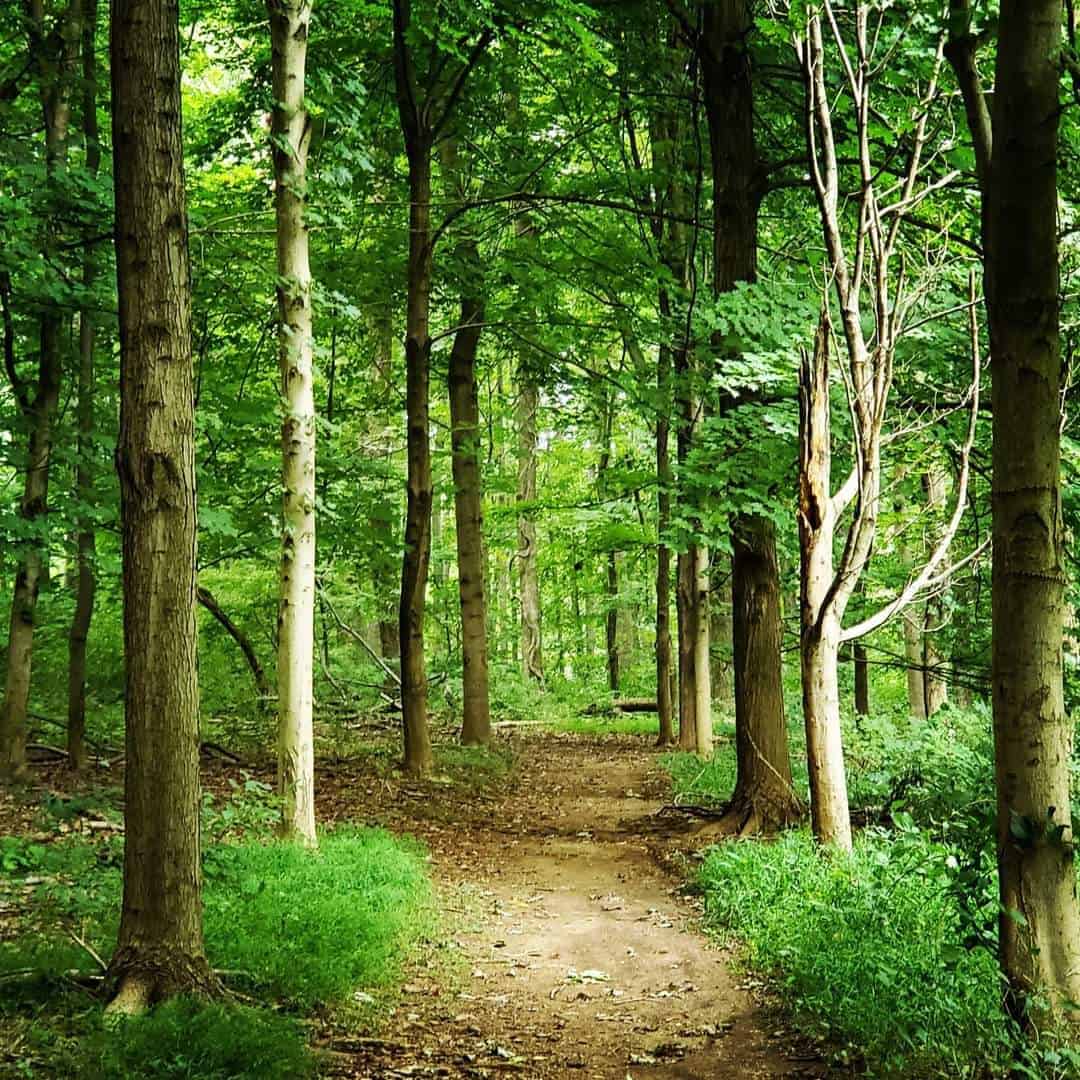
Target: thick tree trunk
55,73
291,133
764,798
160,948
85,583
468,499
532,660
759,702
1039,928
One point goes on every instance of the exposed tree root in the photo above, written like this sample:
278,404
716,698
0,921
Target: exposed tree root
761,813
142,982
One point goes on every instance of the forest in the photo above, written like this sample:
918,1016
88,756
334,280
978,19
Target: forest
538,538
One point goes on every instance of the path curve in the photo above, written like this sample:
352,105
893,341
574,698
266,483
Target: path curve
582,956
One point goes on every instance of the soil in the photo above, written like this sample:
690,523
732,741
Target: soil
583,951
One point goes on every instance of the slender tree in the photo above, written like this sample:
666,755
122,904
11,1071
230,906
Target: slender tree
290,21
426,101
465,463
1016,141
160,946
85,542
54,52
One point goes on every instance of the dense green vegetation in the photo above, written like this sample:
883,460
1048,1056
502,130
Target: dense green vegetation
889,955
382,378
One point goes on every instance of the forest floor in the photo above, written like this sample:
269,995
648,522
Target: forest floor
570,944
583,953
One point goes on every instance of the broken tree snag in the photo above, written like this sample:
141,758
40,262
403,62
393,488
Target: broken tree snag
160,943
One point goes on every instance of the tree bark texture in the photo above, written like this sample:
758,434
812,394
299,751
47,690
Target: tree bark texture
764,798
291,134
759,700
468,496
160,947
1040,949
820,626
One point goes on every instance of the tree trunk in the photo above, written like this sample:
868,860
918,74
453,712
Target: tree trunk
1040,923
160,947
611,621
686,614
528,572
415,115
829,812
914,618
55,75
468,499
291,133
820,626
759,702
721,642
84,476
703,732
862,679
414,688
764,798
665,673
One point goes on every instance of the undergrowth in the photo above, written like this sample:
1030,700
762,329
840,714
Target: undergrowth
887,954
332,928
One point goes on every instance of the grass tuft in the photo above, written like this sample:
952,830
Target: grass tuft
313,927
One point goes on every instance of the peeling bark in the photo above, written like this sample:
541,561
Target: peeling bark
291,134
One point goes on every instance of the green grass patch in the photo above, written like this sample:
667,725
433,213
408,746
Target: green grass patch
313,927
866,949
643,724
304,927
298,927
53,1032
184,1039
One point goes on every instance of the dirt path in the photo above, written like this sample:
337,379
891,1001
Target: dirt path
584,959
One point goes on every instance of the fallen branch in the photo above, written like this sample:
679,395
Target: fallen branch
89,950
